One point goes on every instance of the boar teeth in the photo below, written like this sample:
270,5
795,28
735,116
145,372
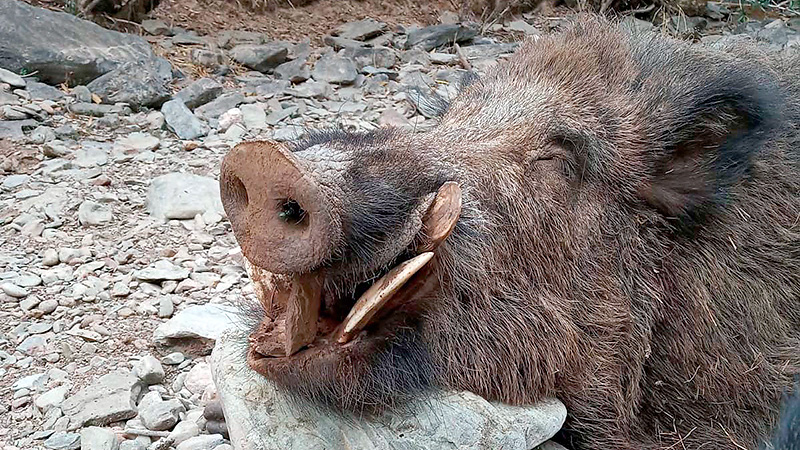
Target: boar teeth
378,294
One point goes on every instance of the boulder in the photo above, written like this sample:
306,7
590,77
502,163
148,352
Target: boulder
61,47
260,416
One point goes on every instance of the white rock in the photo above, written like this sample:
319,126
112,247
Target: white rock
184,430
51,398
449,420
149,370
202,442
12,290
199,378
208,321
183,196
96,438
93,213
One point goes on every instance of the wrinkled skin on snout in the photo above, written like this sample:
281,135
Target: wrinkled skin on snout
605,218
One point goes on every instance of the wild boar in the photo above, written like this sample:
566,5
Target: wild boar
609,218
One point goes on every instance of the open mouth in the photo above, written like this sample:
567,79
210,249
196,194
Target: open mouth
293,304
283,219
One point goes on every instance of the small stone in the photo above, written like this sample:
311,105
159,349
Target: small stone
14,181
50,257
208,58
138,142
63,441
165,307
92,213
48,306
91,154
312,89
35,381
230,118
181,121
12,290
66,131
262,58
133,444
156,27
162,270
41,91
199,92
295,71
335,69
42,134
202,321
9,77
96,438
222,104
157,414
184,430
254,117
82,94
435,36
149,370
199,378
108,399
29,303
51,398
202,442
173,359
360,30
183,196
524,27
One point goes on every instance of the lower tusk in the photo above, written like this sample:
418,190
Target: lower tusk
378,294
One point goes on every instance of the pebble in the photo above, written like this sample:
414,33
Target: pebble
199,92
173,359
63,440
48,306
149,370
202,442
93,213
12,79
335,69
180,119
96,438
157,414
12,290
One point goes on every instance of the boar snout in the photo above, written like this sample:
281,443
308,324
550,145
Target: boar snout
280,215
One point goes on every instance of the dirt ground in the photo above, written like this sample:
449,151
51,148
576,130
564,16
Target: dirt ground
296,23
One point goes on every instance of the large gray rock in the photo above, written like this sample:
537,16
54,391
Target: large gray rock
259,416
59,46
141,83
183,196
108,399
439,35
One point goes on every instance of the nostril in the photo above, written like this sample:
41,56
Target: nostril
290,212
237,193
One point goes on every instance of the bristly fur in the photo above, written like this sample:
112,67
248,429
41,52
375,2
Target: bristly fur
629,243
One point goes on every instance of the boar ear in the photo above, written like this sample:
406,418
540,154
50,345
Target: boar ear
706,142
441,217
